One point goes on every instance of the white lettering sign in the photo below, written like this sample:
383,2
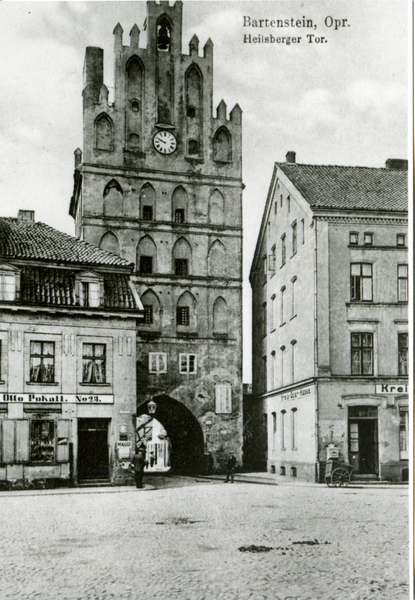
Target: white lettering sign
296,394
124,444
387,388
58,398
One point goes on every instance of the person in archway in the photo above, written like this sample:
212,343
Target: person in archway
138,466
230,467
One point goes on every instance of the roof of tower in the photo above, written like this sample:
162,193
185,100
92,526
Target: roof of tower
37,241
353,188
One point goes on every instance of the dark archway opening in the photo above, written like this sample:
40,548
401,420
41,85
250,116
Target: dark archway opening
184,432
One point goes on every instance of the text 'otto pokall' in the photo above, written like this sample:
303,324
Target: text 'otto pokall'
331,23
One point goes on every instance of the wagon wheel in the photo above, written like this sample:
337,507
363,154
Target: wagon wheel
328,480
339,477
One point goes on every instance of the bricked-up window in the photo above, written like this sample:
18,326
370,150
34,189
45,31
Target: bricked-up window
7,286
283,250
294,228
402,283
93,363
193,147
148,314
146,265
404,433
223,398
157,362
360,282
403,353
42,441
147,213
42,362
181,267
187,363
179,215
183,315
362,353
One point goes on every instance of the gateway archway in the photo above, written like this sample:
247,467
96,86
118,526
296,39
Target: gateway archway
184,432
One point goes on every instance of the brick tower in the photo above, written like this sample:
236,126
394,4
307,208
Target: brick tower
159,182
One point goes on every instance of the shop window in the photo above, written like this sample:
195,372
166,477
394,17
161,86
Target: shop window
403,353
42,441
353,238
362,353
361,282
187,363
402,283
157,362
93,363
223,398
7,286
183,315
42,362
404,433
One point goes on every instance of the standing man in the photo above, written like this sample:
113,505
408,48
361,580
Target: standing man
230,467
138,466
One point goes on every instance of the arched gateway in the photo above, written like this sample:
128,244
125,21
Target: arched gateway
184,431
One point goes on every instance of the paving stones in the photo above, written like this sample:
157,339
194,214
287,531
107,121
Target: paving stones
182,543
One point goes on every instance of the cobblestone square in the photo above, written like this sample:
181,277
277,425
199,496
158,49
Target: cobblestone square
188,539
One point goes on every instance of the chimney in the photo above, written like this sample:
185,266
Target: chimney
396,164
290,157
26,215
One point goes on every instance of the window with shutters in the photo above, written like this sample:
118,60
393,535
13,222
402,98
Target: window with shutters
361,282
187,363
42,441
157,362
223,399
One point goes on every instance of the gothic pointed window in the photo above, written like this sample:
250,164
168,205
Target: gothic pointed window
216,208
109,242
222,145
104,133
113,199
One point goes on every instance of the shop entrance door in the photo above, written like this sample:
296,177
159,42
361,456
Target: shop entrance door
93,450
363,439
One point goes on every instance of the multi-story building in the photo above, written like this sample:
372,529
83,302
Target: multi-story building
67,357
330,319
159,182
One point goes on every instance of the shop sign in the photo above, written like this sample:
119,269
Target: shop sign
59,398
387,388
124,444
296,394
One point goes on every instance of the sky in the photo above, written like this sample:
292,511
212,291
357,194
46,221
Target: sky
343,101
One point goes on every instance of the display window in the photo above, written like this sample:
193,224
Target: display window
42,441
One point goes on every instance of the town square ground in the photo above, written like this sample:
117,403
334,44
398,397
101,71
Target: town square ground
190,539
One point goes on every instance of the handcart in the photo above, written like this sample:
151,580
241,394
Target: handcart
338,473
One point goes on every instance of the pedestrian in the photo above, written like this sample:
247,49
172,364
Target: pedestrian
230,467
138,466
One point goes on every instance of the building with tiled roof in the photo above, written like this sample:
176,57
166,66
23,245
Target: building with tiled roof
67,357
330,321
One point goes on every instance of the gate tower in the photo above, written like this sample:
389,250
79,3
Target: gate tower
159,182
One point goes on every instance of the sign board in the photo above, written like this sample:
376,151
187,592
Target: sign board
58,398
123,448
387,388
124,444
296,394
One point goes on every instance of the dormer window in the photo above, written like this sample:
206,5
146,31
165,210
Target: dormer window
89,290
9,281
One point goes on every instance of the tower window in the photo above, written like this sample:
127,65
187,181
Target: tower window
135,106
147,213
183,315
179,215
148,314
193,147
146,264
181,267
163,35
191,112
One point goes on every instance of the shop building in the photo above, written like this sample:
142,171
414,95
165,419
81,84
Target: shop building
159,182
67,355
330,320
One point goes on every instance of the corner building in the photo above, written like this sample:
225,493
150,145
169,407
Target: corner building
159,182
330,320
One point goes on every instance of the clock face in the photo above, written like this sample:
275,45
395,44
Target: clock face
165,142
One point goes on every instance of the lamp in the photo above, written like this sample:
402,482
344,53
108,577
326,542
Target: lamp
151,406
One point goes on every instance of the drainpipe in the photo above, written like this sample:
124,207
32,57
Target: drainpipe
315,351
